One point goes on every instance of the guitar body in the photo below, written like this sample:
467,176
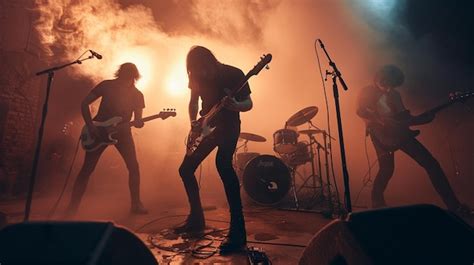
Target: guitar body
108,128
197,134
106,131
391,138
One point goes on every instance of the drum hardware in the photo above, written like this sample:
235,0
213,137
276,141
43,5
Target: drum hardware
327,147
294,158
315,178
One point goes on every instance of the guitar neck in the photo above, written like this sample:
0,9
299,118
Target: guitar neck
149,118
213,112
439,108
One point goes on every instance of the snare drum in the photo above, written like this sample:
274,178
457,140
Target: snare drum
284,141
266,179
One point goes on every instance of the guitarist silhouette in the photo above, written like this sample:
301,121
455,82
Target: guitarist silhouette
208,80
120,98
387,122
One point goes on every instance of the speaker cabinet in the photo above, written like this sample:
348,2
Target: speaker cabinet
71,243
418,234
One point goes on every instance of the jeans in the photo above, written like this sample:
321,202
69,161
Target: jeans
126,148
225,139
423,157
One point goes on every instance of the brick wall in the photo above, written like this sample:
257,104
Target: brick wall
20,95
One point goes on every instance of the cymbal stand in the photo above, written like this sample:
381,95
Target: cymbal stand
314,177
327,149
295,192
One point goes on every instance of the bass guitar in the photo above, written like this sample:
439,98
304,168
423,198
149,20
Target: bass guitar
391,135
108,128
202,128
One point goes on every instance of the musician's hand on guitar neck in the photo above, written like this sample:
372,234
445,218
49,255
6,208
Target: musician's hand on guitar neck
138,123
232,104
424,118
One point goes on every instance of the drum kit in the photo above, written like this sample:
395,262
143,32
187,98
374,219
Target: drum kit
268,179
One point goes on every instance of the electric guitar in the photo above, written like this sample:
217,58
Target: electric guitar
108,128
391,135
202,129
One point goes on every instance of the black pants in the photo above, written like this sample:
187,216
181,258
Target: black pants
126,148
423,157
225,139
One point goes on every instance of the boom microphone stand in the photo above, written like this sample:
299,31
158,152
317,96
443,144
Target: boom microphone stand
336,75
50,73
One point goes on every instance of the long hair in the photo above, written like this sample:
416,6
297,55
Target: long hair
128,71
199,56
390,75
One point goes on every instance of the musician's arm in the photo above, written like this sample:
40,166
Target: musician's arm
86,114
422,119
243,105
368,114
404,113
137,118
193,106
242,101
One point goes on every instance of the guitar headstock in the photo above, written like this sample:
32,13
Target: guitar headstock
459,96
166,113
264,61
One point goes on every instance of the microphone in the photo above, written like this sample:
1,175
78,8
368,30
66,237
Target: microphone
96,55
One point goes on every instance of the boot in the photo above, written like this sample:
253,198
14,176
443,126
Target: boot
193,226
236,239
138,208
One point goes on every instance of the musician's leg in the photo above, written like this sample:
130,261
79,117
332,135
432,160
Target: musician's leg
386,161
90,162
195,220
440,182
227,173
236,238
126,148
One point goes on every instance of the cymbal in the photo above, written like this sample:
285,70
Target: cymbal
252,137
302,116
311,131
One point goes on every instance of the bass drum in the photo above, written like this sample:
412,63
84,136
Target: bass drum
266,179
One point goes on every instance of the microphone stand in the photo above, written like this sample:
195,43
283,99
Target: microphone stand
335,76
50,73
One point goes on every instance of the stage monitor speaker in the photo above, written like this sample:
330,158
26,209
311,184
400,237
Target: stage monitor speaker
72,243
418,234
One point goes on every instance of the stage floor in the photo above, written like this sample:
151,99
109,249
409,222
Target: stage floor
281,234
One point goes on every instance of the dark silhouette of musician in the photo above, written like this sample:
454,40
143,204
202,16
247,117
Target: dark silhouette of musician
120,98
380,104
209,79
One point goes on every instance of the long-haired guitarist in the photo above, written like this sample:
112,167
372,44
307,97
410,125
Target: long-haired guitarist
209,80
119,98
381,106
